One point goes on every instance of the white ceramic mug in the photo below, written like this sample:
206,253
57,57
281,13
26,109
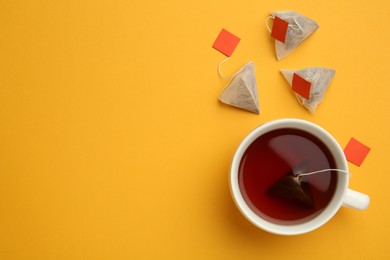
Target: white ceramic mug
343,196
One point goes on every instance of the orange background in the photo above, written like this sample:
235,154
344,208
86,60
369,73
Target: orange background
113,144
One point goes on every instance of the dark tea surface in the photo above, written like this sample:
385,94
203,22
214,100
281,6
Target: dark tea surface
273,155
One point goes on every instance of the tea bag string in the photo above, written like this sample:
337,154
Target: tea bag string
295,27
219,69
324,170
266,21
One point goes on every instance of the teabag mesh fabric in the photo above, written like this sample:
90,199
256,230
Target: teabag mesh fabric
319,78
241,91
300,27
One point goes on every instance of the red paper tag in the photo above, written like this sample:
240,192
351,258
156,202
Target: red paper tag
279,29
301,86
356,152
226,42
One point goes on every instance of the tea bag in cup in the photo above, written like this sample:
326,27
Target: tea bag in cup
292,187
241,91
309,84
289,30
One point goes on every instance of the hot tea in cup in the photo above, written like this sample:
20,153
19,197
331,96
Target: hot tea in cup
269,184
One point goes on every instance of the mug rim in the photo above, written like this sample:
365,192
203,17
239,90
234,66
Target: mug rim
313,223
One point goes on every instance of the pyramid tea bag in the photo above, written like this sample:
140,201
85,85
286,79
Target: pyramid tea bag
289,30
241,91
291,186
309,84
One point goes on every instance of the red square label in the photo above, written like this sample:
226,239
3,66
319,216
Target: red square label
279,29
356,152
301,86
226,42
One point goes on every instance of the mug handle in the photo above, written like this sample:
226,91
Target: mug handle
356,200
